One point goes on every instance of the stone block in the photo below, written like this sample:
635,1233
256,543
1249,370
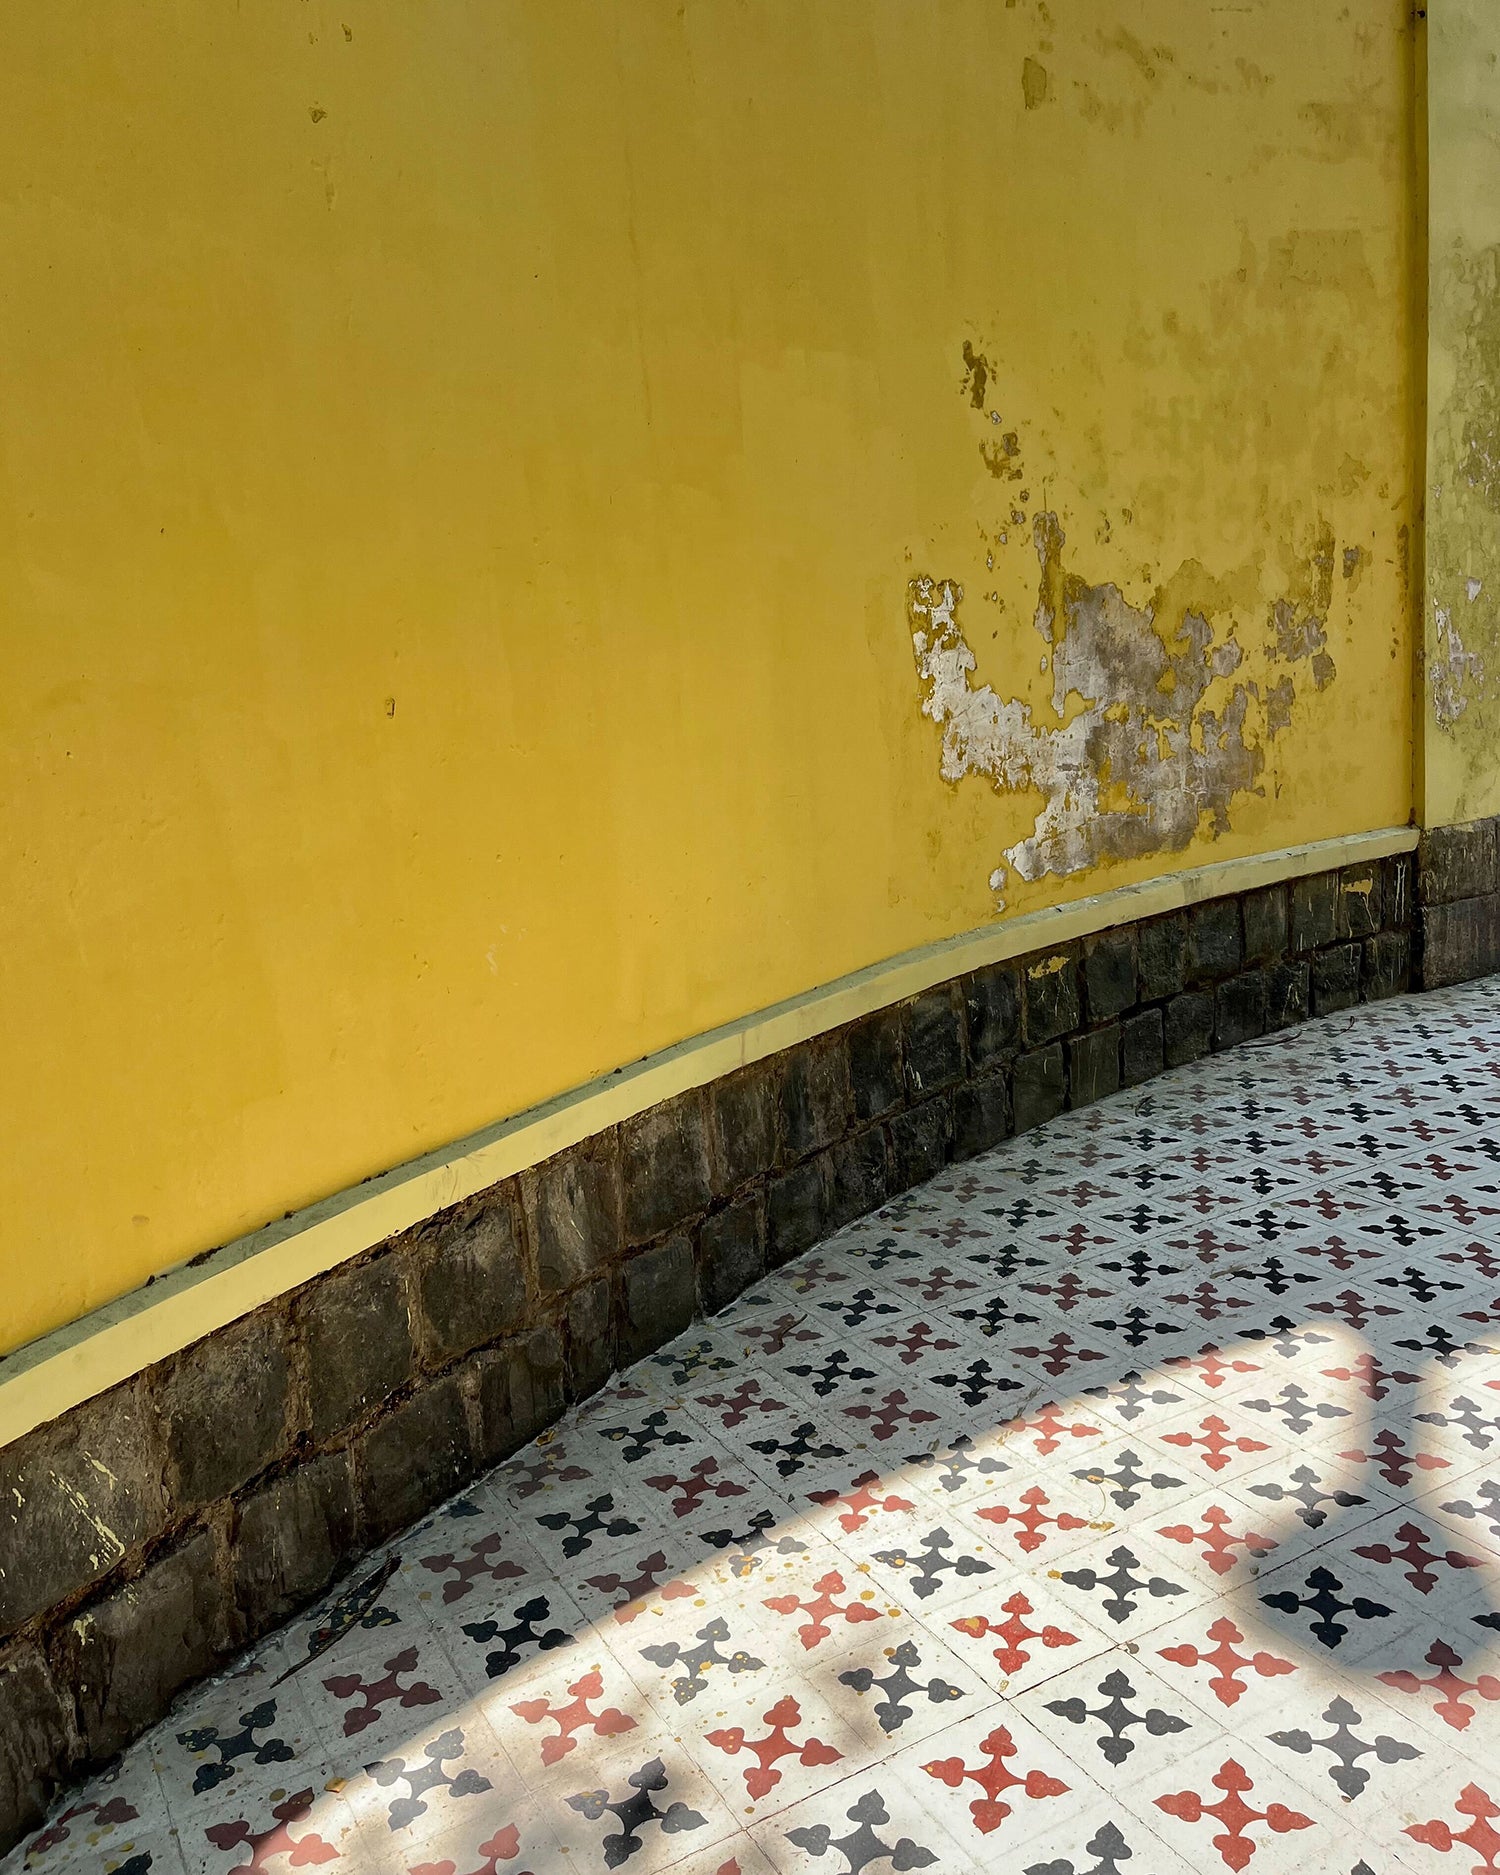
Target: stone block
292,1537
1315,911
1335,979
223,1405
572,1208
1109,974
877,1077
591,1338
664,1166
658,1295
1161,956
1287,992
861,1177
412,1459
1215,947
981,1115
919,1142
1038,1086
76,1496
471,1276
1460,941
37,1747
1188,1028
814,1095
1050,1000
932,1041
1387,965
357,1331
1094,1065
742,1125
127,1655
1265,919
1361,911
1398,891
796,1211
1458,863
521,1389
1141,1048
992,1009
731,1251
1240,1009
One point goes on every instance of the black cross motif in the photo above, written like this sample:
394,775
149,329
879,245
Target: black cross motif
358,1607
635,1813
1140,1268
1004,1263
1436,1341
636,1442
953,1463
1135,1327
1385,1185
1484,1507
428,1772
1021,1211
1108,1844
1122,1581
750,1544
1346,1749
977,1383
233,1745
597,1520
1418,1284
524,1630
1116,1718
1127,1478
798,1449
928,1563
1130,1399
862,1846
1297,1409
994,1315
886,1251
832,1374
1142,1220
1479,1430
1309,1496
689,1364
1272,1275
1324,1605
1401,1230
899,1686
697,1660
1281,1336
854,1311
1267,1225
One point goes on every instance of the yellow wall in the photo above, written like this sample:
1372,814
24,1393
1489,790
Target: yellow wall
464,467
1462,625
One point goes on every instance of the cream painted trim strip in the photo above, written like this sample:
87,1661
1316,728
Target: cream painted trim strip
44,1379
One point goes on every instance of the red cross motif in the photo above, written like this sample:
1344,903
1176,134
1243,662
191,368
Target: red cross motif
1208,1303
994,1777
1059,1354
1049,1430
915,1342
735,1408
278,1839
772,1337
953,1233
1370,1377
574,1717
1227,1662
817,1270
1392,1460
885,1420
1218,1540
1485,1260
1414,1552
1462,1209
1013,1633
783,1719
823,1608
483,1559
1067,1292
1451,1706
378,1693
632,1597
503,1846
1481,1835
1219,1445
698,1484
1234,1846
860,1501
1206,1245
938,1282
100,1815
1076,1239
1030,1522
1323,1204
1342,1256
1211,1368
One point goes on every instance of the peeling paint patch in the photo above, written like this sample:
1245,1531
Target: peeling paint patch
1151,740
1454,671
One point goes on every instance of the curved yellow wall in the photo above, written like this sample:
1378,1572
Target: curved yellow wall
465,467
